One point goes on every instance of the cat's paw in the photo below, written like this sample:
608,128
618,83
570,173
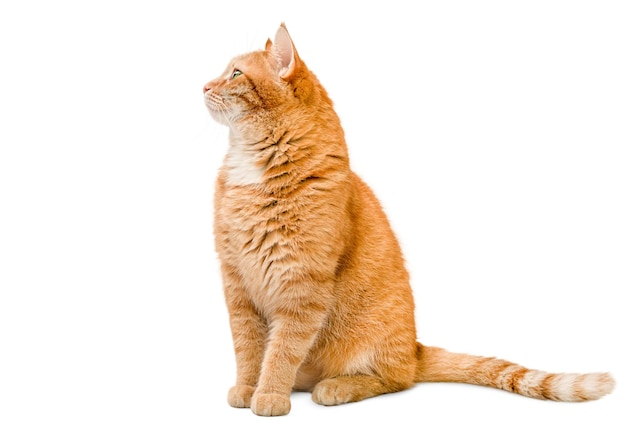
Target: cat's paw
240,396
270,404
331,392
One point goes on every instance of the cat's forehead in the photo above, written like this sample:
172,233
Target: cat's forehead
253,61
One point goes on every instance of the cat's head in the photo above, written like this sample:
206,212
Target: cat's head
263,87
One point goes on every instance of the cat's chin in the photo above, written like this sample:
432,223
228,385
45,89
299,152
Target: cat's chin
218,116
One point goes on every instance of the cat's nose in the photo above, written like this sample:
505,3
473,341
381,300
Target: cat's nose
207,87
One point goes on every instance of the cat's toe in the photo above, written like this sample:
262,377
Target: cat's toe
330,392
240,396
270,404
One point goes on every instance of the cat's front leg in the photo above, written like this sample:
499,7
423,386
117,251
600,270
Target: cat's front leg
249,332
293,330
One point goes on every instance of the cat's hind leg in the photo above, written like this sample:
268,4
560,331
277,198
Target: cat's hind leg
346,389
366,373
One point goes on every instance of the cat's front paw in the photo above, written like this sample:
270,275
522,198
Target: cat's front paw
270,404
240,396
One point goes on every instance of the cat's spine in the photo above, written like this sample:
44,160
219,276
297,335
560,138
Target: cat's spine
439,365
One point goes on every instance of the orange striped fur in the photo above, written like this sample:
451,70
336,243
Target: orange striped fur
314,279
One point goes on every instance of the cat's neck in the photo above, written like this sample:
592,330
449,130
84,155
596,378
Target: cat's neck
282,154
242,167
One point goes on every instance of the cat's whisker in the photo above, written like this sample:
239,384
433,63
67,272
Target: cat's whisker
216,103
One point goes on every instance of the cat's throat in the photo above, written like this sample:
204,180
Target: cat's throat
243,167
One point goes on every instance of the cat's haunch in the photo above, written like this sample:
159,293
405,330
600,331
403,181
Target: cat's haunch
314,279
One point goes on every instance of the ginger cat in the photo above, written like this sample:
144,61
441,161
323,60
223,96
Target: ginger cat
314,279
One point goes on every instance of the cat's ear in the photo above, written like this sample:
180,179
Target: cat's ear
268,44
285,52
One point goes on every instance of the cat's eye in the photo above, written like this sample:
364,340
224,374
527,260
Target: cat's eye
236,73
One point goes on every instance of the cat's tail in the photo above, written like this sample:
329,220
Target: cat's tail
439,365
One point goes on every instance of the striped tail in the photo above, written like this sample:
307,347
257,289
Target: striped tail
439,365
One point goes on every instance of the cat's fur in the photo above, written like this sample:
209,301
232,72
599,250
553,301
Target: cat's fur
314,279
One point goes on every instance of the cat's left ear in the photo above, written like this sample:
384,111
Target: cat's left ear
285,52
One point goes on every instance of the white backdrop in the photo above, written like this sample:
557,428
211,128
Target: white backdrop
493,132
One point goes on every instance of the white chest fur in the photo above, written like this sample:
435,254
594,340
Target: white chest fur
242,165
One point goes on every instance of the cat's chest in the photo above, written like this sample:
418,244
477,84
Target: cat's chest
242,167
256,233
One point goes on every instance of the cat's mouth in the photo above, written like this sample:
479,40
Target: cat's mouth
212,101
216,106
